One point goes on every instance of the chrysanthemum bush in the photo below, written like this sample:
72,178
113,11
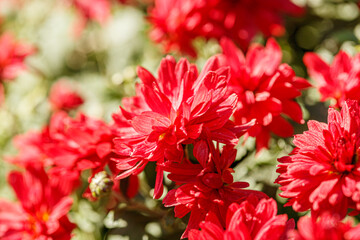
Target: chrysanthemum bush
224,139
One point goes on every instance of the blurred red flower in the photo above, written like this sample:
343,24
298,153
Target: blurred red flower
176,23
78,144
338,81
43,208
266,90
63,97
327,226
12,57
68,145
96,10
322,173
251,220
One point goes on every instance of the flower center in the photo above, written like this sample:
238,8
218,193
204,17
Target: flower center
162,136
37,223
212,180
45,216
216,180
346,156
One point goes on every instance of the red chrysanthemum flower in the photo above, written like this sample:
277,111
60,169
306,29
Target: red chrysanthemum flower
43,208
31,151
209,187
326,227
266,90
12,57
323,171
68,145
78,144
176,23
181,107
63,97
251,220
338,81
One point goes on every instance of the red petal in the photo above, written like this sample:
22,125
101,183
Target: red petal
158,191
318,69
281,127
103,149
201,152
147,121
146,77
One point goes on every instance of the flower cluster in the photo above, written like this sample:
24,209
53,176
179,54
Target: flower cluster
179,120
183,111
179,110
181,131
176,23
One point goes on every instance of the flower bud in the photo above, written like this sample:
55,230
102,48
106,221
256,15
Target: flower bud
100,184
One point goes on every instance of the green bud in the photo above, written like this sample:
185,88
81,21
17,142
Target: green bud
100,184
